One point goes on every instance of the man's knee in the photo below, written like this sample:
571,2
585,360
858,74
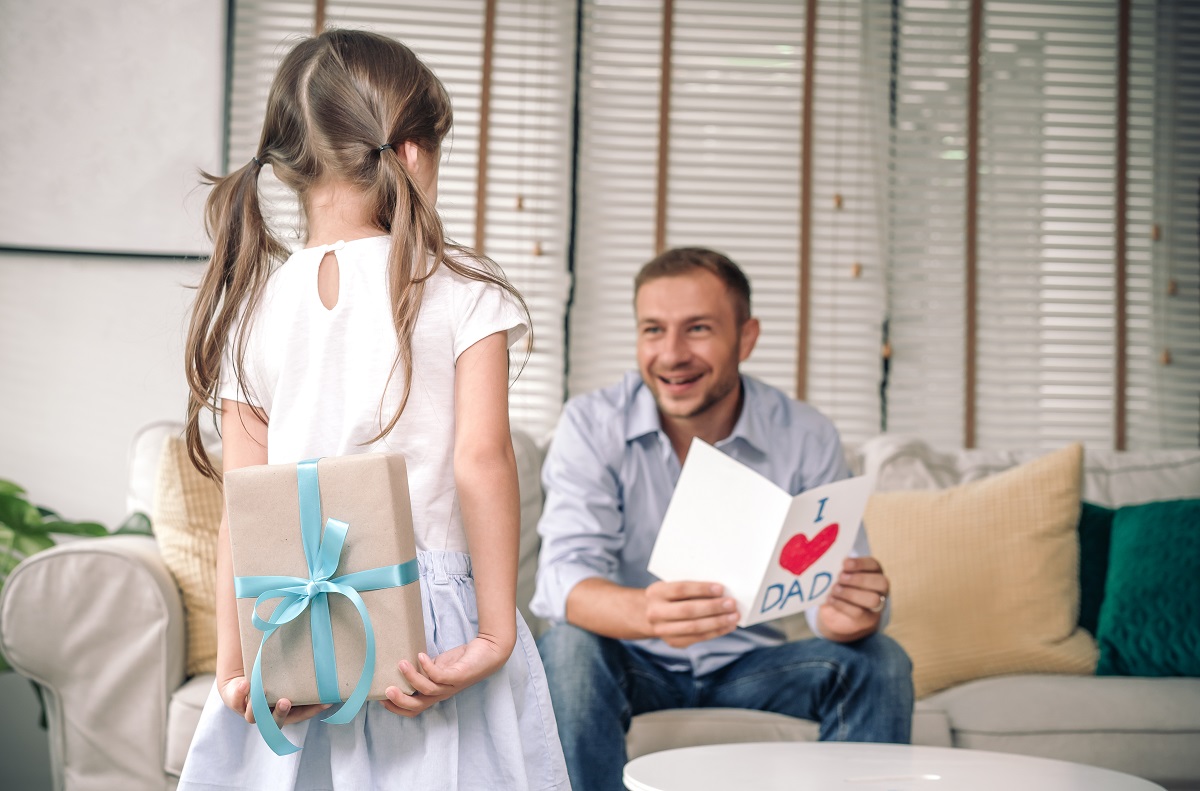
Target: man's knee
877,662
886,657
881,670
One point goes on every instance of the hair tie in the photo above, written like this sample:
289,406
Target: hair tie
257,161
385,146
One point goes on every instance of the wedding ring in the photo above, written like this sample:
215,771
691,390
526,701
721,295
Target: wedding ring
882,603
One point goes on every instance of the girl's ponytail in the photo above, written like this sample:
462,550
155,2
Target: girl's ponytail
418,245
418,248
243,252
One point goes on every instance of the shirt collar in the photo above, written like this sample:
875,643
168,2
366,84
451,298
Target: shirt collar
750,426
642,417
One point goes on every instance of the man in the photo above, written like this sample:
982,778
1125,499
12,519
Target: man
624,643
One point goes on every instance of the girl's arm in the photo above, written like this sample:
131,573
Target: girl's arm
485,473
244,443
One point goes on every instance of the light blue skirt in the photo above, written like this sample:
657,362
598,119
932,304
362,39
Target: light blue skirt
498,734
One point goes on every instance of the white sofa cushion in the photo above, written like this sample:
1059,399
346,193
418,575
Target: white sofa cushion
1147,726
1110,478
183,715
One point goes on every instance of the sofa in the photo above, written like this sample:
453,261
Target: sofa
108,645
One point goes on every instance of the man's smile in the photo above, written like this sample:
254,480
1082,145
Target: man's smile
675,383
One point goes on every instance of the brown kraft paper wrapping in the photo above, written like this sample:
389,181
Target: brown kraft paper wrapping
370,493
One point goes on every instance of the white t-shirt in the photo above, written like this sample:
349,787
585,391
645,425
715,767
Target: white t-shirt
322,375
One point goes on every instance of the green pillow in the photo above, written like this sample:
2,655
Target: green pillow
1095,535
1150,618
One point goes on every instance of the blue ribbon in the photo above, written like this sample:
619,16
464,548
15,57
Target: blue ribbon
322,552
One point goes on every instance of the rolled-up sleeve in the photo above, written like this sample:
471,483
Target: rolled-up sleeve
582,526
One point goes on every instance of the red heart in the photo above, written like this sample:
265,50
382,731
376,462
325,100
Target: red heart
799,552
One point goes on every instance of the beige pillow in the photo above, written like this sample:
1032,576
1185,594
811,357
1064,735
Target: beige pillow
985,575
187,515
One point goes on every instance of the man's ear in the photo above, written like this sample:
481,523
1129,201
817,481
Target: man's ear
748,338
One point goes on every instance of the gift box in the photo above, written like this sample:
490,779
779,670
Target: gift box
324,555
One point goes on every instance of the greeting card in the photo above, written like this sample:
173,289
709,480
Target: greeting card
775,554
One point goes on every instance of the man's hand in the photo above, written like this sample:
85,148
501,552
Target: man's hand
684,613
856,602
236,694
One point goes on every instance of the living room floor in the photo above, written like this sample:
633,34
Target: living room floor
24,748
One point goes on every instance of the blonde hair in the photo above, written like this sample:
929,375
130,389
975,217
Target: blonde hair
340,108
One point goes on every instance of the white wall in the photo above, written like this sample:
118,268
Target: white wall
108,109
119,103
90,350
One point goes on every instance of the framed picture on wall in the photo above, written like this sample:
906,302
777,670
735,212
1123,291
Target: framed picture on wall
107,123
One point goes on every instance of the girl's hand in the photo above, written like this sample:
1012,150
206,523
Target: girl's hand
451,672
236,694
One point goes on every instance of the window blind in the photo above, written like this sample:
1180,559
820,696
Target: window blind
1047,199
615,183
529,187
733,184
1047,290
1143,365
263,32
888,194
1164,226
529,150
849,267
926,187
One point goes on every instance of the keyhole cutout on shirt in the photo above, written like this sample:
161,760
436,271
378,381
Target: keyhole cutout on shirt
328,280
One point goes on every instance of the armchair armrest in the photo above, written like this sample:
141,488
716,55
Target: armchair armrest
99,624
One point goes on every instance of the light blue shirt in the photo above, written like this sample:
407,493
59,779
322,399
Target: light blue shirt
609,475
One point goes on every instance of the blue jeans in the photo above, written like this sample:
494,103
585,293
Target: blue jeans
858,692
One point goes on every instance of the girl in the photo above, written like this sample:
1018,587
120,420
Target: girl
377,336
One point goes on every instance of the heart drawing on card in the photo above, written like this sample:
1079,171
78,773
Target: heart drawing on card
800,551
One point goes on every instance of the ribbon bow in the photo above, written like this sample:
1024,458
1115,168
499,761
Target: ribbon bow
322,553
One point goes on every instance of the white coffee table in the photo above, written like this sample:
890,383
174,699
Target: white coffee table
813,766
